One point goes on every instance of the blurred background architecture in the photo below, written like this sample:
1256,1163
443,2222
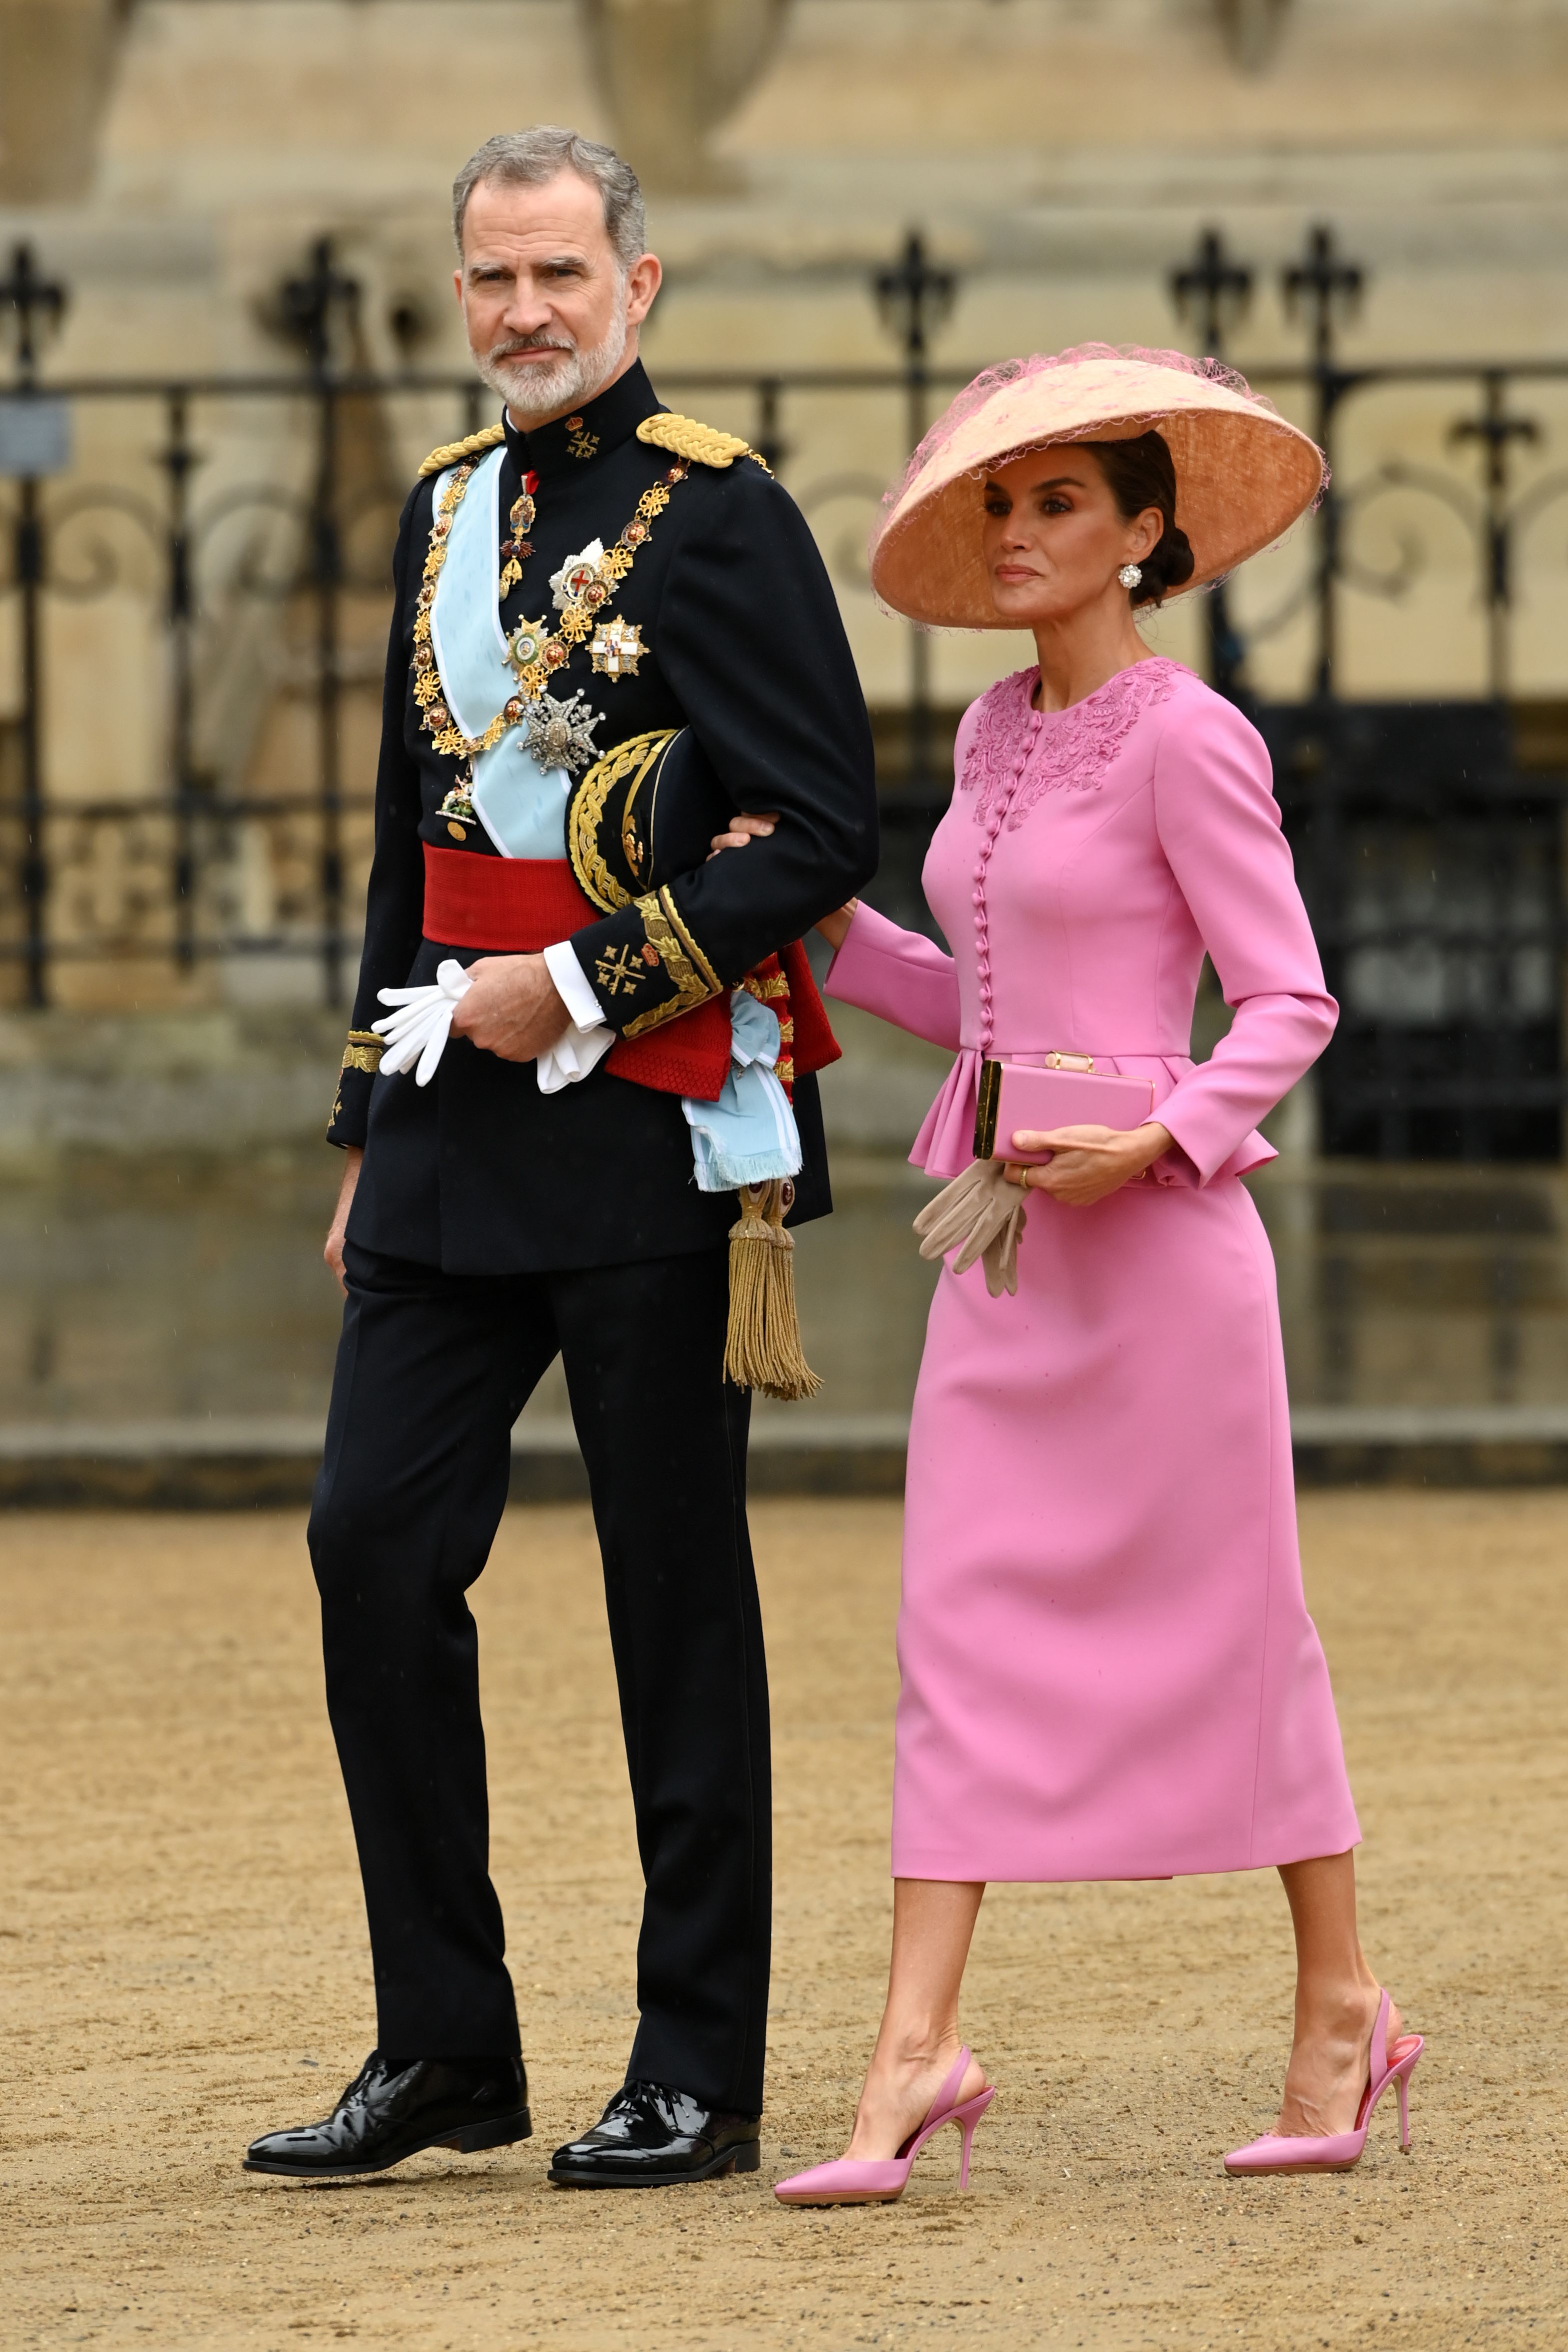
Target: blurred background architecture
228,340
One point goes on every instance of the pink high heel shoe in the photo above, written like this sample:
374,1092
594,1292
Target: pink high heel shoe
881,2180
1338,2151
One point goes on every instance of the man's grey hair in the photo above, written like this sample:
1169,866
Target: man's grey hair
528,158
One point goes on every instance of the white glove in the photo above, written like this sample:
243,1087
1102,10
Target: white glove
574,1055
419,1029
978,1215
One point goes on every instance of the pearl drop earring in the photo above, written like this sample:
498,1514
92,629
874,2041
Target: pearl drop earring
1131,575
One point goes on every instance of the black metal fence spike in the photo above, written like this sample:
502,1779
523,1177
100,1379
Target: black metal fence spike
1214,290
34,303
310,305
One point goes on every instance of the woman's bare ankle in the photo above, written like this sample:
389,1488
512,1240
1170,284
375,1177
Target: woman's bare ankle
899,2086
1335,2012
917,2044
1328,2055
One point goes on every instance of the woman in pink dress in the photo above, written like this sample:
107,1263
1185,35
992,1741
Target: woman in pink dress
1108,1670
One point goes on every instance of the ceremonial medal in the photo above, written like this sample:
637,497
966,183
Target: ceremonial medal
578,574
458,804
525,645
616,647
517,549
561,734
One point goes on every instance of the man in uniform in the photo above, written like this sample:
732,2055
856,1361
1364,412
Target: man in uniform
590,576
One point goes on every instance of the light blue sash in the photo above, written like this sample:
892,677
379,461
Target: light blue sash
521,805
748,1136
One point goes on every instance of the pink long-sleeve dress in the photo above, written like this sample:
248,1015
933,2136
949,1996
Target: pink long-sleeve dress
1108,1670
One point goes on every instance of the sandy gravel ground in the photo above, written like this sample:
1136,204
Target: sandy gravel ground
185,1964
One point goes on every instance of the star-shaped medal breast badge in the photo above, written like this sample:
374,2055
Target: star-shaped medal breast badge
561,734
616,647
578,571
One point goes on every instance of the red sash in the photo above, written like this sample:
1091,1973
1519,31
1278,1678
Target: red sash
513,905
516,906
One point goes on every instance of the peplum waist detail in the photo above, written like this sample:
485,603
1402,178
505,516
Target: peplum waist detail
945,1144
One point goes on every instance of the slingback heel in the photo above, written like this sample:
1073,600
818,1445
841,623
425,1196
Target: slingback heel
881,2180
1338,2151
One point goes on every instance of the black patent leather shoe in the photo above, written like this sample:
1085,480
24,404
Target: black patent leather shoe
388,2113
650,2137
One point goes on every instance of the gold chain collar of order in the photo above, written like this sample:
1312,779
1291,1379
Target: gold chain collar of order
578,619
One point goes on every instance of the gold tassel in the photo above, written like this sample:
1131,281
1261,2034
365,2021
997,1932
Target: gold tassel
762,1349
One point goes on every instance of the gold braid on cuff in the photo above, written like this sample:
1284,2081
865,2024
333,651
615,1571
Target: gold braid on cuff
364,1052
688,969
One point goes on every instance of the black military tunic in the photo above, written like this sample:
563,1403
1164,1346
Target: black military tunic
495,1228
480,1172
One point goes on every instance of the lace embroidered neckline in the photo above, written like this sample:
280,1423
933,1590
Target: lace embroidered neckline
1016,752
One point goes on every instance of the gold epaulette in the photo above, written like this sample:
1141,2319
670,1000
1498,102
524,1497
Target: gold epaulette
451,452
704,444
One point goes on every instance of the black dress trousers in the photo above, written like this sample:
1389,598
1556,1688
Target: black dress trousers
432,1370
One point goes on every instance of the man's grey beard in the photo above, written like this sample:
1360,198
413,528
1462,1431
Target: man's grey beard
542,388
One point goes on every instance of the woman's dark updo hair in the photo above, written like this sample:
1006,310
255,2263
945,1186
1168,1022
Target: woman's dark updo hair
1140,473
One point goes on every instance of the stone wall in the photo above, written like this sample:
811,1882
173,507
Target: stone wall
226,1082
147,1083
59,59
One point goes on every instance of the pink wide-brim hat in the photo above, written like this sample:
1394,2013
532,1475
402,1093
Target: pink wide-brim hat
1244,473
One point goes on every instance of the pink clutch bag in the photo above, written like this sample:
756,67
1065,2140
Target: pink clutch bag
1068,1091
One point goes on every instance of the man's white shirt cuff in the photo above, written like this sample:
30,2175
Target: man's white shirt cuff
578,1053
572,986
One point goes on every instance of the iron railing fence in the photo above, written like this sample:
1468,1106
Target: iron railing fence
305,536
196,606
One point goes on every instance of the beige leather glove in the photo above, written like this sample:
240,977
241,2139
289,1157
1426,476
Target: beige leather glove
978,1215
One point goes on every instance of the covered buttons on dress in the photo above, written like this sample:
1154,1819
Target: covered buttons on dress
993,820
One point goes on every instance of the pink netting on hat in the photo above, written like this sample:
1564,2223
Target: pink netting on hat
975,395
